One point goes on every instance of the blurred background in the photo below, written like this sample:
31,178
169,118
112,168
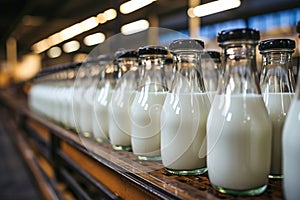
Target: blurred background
41,33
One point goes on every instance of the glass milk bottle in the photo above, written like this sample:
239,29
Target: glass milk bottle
277,86
210,65
121,100
291,147
238,127
102,97
77,92
86,105
147,104
183,120
71,73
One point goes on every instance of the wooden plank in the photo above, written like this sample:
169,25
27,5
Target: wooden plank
112,180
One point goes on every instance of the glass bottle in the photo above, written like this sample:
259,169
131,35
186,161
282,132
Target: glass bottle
291,147
78,89
121,100
278,86
210,64
86,105
71,73
102,97
147,104
183,120
238,127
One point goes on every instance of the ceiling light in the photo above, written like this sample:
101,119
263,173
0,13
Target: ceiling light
110,14
101,18
71,46
89,24
40,46
135,27
213,7
94,39
134,5
54,52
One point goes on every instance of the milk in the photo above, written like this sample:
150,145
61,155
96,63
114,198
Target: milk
119,119
77,93
100,109
86,112
277,105
145,124
183,131
238,142
291,152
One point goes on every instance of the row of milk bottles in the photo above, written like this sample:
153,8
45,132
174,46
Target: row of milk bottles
242,132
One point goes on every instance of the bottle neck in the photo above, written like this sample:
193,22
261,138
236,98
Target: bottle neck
128,64
240,70
189,73
281,58
277,75
153,79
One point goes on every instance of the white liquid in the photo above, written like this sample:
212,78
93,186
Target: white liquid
86,112
291,153
119,118
78,91
145,125
183,131
100,117
238,142
277,105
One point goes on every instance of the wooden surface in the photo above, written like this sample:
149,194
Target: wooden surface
149,177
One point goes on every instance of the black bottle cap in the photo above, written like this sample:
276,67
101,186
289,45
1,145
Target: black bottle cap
238,34
153,50
169,61
213,54
298,27
186,44
129,54
277,44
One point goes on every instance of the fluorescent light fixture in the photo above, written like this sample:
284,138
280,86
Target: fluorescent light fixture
65,34
94,39
134,5
135,27
74,30
101,18
40,46
89,24
71,46
110,14
54,52
213,7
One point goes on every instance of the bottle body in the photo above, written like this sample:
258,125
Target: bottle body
145,128
183,136
100,112
239,146
120,120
